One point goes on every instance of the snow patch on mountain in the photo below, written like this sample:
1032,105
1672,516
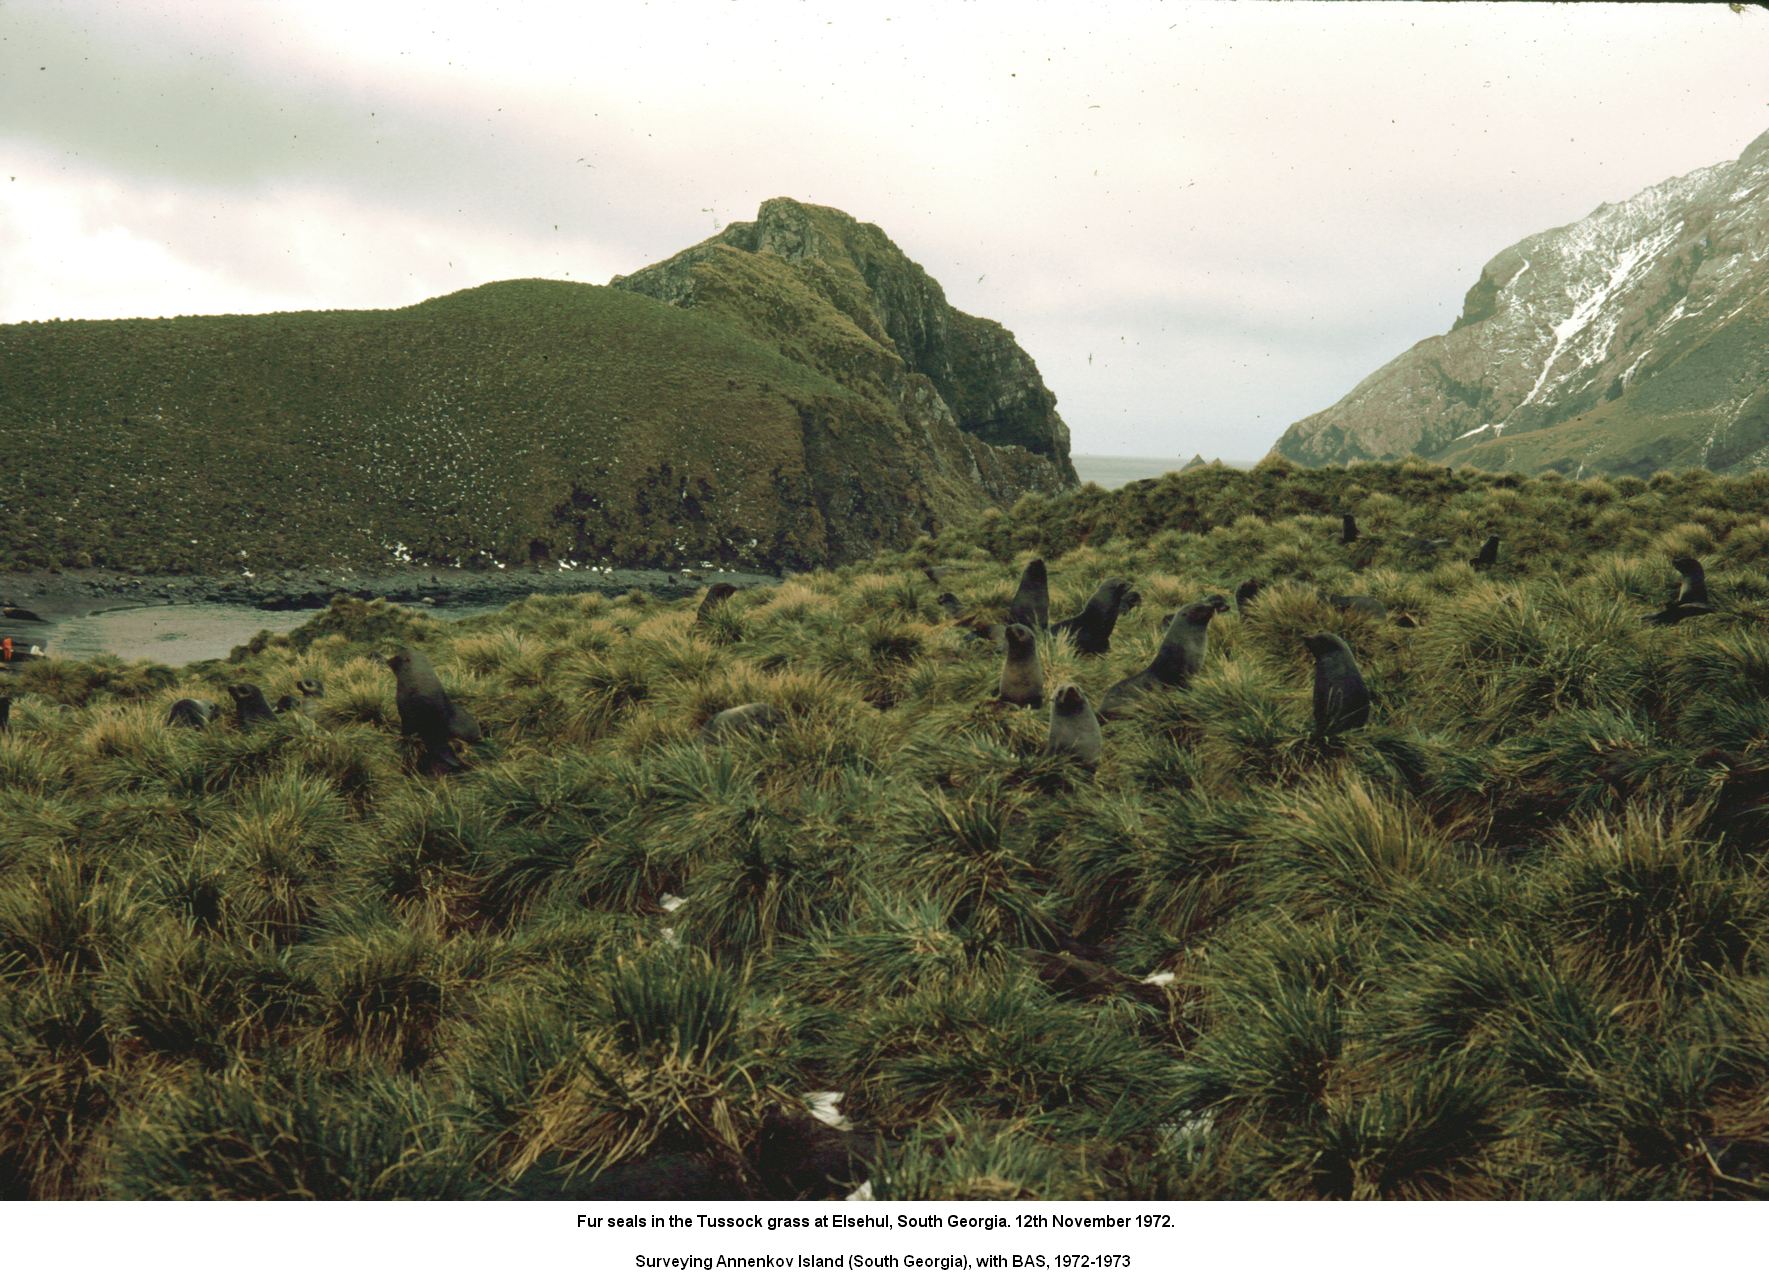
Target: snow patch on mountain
1575,318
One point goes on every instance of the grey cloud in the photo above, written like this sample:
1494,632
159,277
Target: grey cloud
171,115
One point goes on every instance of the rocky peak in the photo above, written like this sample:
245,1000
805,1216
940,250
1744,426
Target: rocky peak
855,288
1627,339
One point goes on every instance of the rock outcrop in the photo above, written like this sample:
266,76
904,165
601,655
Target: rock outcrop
1633,340
838,295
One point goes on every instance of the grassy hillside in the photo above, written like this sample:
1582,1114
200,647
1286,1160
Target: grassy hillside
514,422
1506,941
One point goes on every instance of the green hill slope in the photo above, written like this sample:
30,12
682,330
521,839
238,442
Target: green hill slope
516,422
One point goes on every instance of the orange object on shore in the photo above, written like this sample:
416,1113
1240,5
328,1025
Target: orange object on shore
5,649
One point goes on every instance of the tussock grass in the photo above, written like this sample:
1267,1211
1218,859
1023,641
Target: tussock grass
1505,941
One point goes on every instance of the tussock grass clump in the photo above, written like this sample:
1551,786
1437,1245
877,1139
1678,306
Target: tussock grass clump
1335,845
289,1136
1505,940
969,853
1645,902
997,1047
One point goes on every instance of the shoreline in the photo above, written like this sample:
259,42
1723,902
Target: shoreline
72,594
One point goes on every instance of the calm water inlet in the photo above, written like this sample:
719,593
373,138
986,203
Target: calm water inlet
176,635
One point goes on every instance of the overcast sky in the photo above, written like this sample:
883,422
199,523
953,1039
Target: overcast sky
1204,221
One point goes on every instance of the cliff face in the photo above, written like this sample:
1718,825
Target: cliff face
838,295
1635,339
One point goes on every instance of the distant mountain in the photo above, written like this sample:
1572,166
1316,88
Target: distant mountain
1633,340
790,408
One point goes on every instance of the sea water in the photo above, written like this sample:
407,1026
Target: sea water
1113,471
178,634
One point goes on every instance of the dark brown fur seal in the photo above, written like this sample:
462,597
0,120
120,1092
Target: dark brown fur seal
1074,729
1692,588
1488,554
1341,700
250,709
1216,601
1031,604
716,596
5,714
192,713
1092,628
1178,660
1692,594
1022,679
1348,531
735,722
425,712
1244,595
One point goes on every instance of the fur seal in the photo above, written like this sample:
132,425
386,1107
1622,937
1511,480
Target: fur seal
5,714
1216,601
1348,533
1246,593
1175,663
949,604
21,614
1488,554
1692,589
1341,700
1092,628
735,722
1692,594
192,713
249,706
1022,680
300,704
1359,605
716,596
1031,604
1074,729
425,712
